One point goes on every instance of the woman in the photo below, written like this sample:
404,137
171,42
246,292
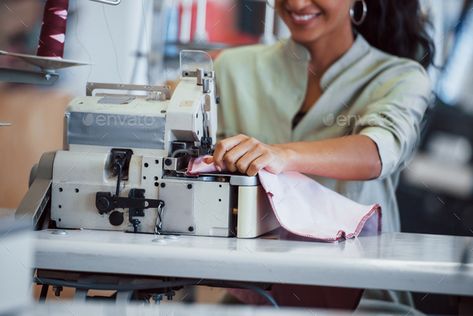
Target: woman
341,101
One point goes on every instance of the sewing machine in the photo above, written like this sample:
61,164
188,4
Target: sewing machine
125,159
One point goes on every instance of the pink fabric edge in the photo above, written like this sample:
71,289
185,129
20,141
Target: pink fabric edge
341,233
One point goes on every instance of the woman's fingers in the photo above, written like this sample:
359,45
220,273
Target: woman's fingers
248,156
208,160
232,156
258,164
224,146
244,162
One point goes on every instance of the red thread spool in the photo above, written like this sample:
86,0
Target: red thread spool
53,30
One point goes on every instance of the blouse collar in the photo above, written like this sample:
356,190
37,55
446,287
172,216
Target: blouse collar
300,54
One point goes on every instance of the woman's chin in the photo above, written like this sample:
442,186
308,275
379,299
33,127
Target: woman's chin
304,39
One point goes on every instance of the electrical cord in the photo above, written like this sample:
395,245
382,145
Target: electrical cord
262,293
256,289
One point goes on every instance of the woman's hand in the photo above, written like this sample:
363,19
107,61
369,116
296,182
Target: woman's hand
248,156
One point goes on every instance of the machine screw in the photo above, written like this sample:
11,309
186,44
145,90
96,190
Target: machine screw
170,294
189,186
57,290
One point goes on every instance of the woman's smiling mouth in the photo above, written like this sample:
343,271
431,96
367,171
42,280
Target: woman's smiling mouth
304,18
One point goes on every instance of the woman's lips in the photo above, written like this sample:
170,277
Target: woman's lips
304,18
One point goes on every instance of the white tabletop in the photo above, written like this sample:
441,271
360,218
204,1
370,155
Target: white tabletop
399,261
173,309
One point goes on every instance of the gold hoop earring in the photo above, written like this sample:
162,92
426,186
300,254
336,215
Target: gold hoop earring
364,12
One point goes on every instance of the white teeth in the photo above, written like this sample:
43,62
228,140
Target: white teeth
303,17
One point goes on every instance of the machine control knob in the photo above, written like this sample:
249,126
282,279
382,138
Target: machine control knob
103,202
116,218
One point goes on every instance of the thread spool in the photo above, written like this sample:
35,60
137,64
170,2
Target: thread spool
53,30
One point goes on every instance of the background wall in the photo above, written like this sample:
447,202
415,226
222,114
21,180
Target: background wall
36,118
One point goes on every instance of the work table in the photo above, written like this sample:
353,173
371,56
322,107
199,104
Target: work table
398,261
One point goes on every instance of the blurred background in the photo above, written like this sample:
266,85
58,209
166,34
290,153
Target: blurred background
138,42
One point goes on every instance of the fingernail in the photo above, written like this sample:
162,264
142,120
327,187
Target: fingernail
218,168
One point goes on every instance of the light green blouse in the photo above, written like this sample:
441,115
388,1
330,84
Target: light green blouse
365,92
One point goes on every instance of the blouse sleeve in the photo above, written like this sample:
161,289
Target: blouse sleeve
393,121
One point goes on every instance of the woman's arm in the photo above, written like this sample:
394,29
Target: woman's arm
353,157
345,158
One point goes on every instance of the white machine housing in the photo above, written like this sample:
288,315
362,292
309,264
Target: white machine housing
151,127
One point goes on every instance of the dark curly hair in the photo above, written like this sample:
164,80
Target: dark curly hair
398,27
